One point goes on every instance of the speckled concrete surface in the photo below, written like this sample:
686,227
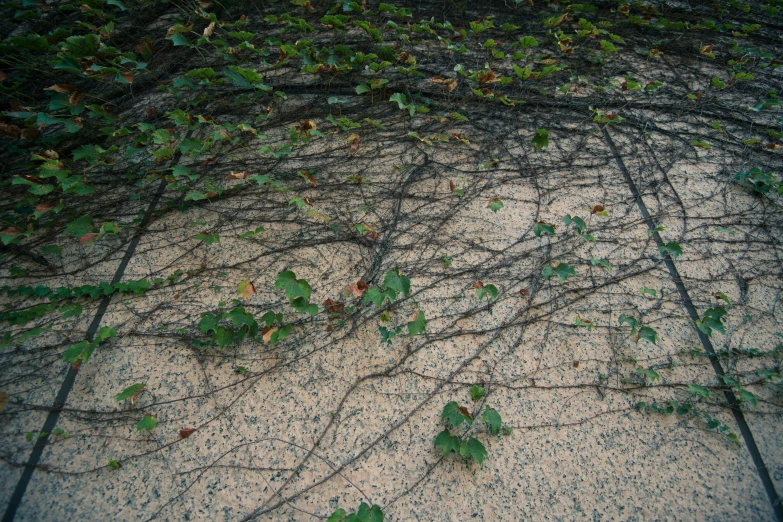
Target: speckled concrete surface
332,418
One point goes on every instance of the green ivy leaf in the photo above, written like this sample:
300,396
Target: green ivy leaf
603,263
492,419
648,291
563,271
699,391
208,322
114,464
447,442
293,287
397,282
476,393
147,423
209,239
541,139
455,415
474,449
130,391
712,320
673,249
485,290
223,336
495,204
418,324
645,332
540,227
750,397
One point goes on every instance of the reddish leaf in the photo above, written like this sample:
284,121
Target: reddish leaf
355,142
597,209
184,433
30,134
266,333
88,238
151,112
62,88
333,307
128,77
11,130
462,409
477,284
487,77
238,175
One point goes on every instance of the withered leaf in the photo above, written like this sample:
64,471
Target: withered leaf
30,134
184,433
487,77
355,142
238,175
208,30
463,410
597,209
334,307
477,284
62,88
452,186
10,130
88,238
267,332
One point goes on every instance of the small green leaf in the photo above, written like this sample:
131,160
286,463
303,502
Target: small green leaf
699,391
399,283
114,464
492,419
223,336
495,204
673,249
750,397
603,263
645,332
541,139
476,393
130,391
455,415
147,423
563,271
447,442
540,227
474,449
648,291
418,324
209,239
631,321
490,290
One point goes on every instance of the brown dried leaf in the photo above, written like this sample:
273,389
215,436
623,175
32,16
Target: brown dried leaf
3,400
463,410
248,290
452,186
11,130
238,175
596,209
774,146
3,77
151,112
30,134
49,154
208,30
43,207
487,77
128,77
62,88
358,288
477,284
76,98
334,307
355,142
306,126
266,333
10,231
88,238
184,433
413,316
